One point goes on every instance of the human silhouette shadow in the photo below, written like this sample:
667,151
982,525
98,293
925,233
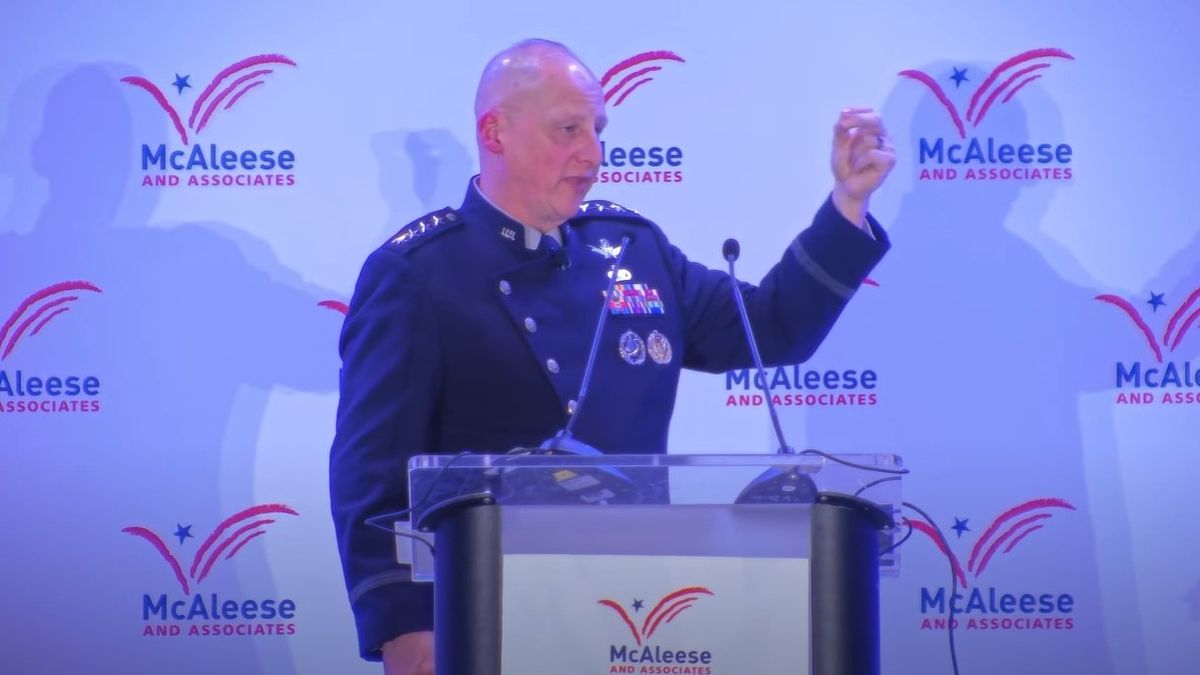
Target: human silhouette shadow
430,164
1192,598
985,333
195,324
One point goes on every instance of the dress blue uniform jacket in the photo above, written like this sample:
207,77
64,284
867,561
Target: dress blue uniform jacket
459,337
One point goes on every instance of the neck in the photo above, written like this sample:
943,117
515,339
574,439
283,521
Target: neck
495,188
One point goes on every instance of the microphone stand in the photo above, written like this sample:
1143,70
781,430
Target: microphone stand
777,484
564,441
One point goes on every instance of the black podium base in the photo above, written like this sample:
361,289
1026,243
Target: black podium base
845,585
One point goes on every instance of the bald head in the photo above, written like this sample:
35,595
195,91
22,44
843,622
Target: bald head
538,116
511,76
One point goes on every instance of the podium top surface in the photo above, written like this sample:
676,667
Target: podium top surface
436,481
808,460
645,489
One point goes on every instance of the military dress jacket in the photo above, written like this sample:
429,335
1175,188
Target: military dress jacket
458,337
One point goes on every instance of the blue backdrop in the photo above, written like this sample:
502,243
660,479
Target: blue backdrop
187,193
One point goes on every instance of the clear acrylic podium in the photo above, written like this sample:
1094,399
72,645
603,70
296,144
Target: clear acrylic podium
682,564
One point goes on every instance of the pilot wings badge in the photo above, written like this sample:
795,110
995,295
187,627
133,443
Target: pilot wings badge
606,249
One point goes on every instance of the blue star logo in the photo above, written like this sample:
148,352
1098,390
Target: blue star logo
1156,300
960,526
959,76
181,82
637,605
182,532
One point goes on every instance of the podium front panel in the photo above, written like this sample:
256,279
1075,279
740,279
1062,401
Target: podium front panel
648,589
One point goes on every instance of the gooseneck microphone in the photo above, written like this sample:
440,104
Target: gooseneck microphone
730,251
564,441
778,484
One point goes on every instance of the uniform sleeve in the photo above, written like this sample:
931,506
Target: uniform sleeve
794,306
389,380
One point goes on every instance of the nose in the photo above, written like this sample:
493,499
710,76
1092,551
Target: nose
590,151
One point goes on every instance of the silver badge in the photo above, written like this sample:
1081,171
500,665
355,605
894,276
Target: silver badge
631,348
606,249
659,347
622,274
509,234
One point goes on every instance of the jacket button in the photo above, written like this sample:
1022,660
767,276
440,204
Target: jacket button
571,406
505,287
552,365
530,324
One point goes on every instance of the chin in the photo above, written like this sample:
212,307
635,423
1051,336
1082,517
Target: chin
569,207
567,211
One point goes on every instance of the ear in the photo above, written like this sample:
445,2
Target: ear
489,128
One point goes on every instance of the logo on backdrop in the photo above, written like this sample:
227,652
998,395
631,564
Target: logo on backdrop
1165,380
23,391
193,613
969,156
641,655
336,306
198,164
646,163
981,607
800,385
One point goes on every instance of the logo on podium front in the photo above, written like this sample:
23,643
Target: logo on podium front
590,614
628,658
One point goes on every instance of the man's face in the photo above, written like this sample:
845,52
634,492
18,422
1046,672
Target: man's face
552,148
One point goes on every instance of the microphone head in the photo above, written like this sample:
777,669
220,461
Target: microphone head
562,259
559,256
731,249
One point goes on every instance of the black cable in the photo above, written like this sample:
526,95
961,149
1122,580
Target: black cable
414,535
907,534
375,521
897,545
873,483
953,582
864,467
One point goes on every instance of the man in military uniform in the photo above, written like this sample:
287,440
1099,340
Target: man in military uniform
469,329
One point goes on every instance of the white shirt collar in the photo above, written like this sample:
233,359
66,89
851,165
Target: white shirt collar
533,236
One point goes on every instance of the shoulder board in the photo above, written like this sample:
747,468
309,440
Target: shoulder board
600,208
425,228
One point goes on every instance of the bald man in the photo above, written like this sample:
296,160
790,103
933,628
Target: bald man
469,328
